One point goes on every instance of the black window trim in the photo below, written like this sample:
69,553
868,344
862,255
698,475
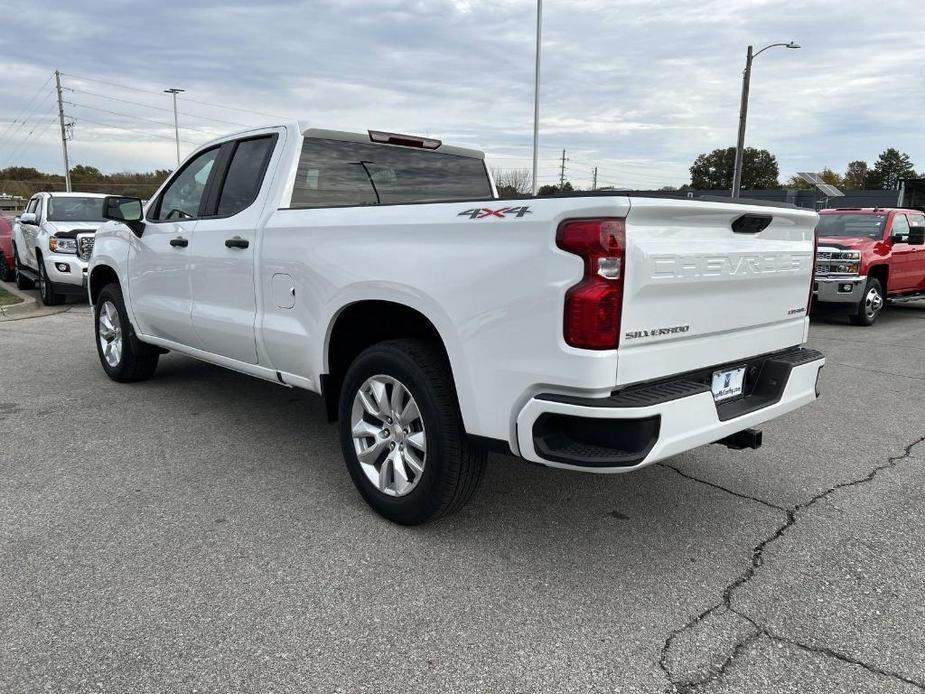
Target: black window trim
213,195
156,208
388,204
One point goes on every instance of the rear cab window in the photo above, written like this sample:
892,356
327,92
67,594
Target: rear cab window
336,173
245,174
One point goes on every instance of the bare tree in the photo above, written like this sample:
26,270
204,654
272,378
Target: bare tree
512,183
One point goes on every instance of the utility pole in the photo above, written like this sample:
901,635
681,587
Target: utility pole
536,94
562,171
67,166
594,184
743,112
176,126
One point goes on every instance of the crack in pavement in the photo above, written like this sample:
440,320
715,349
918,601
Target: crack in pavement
690,685
725,489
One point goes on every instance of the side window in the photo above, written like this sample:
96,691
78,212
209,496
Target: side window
181,198
917,220
900,226
33,203
245,174
332,174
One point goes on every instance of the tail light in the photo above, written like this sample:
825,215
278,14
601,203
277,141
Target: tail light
593,307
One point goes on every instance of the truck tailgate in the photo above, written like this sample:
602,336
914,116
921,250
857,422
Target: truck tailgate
697,293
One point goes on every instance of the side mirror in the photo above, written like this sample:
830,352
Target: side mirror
129,211
28,218
916,236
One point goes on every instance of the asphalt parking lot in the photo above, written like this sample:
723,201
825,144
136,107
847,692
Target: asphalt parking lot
199,533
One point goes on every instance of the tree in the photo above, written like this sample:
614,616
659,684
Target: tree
512,183
891,166
555,189
855,175
714,171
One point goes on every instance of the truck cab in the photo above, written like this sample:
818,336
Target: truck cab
868,256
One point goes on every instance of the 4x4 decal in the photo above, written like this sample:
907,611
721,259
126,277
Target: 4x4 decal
502,212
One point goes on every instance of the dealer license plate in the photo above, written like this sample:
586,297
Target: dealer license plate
728,383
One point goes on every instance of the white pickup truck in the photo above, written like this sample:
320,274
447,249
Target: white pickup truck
52,242
600,332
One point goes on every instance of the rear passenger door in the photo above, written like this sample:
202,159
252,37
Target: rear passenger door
917,268
224,248
902,262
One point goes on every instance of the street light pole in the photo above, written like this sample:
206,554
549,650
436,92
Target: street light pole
536,93
743,113
176,126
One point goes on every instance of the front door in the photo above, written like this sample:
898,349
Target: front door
159,262
224,249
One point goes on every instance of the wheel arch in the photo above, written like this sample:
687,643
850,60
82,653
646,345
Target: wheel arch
880,272
100,276
360,325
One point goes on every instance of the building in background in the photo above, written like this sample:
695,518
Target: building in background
11,204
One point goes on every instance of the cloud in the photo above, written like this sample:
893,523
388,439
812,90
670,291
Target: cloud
637,88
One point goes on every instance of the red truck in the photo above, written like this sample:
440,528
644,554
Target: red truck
868,256
7,264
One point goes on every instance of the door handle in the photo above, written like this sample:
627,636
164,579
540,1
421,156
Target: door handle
179,242
237,242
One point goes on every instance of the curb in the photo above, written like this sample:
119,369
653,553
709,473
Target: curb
29,308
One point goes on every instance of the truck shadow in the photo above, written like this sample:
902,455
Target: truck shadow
521,513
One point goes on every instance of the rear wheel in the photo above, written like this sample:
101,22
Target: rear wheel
46,289
402,436
123,356
871,304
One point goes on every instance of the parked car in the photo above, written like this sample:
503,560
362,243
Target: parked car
7,264
52,243
868,256
598,333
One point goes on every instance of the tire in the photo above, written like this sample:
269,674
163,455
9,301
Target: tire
450,467
7,270
22,282
46,290
871,304
131,359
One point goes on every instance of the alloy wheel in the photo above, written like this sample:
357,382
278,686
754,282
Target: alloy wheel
388,435
110,334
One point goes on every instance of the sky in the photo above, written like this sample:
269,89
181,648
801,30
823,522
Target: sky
637,88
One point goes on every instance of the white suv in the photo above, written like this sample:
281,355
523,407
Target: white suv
52,242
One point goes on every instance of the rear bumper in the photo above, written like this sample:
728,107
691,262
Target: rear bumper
839,290
644,424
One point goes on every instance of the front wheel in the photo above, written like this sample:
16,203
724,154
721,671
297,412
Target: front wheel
871,304
402,435
46,289
7,270
123,356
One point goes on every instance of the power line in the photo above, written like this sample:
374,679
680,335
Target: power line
23,124
152,106
123,115
25,143
27,107
194,101
234,108
131,130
